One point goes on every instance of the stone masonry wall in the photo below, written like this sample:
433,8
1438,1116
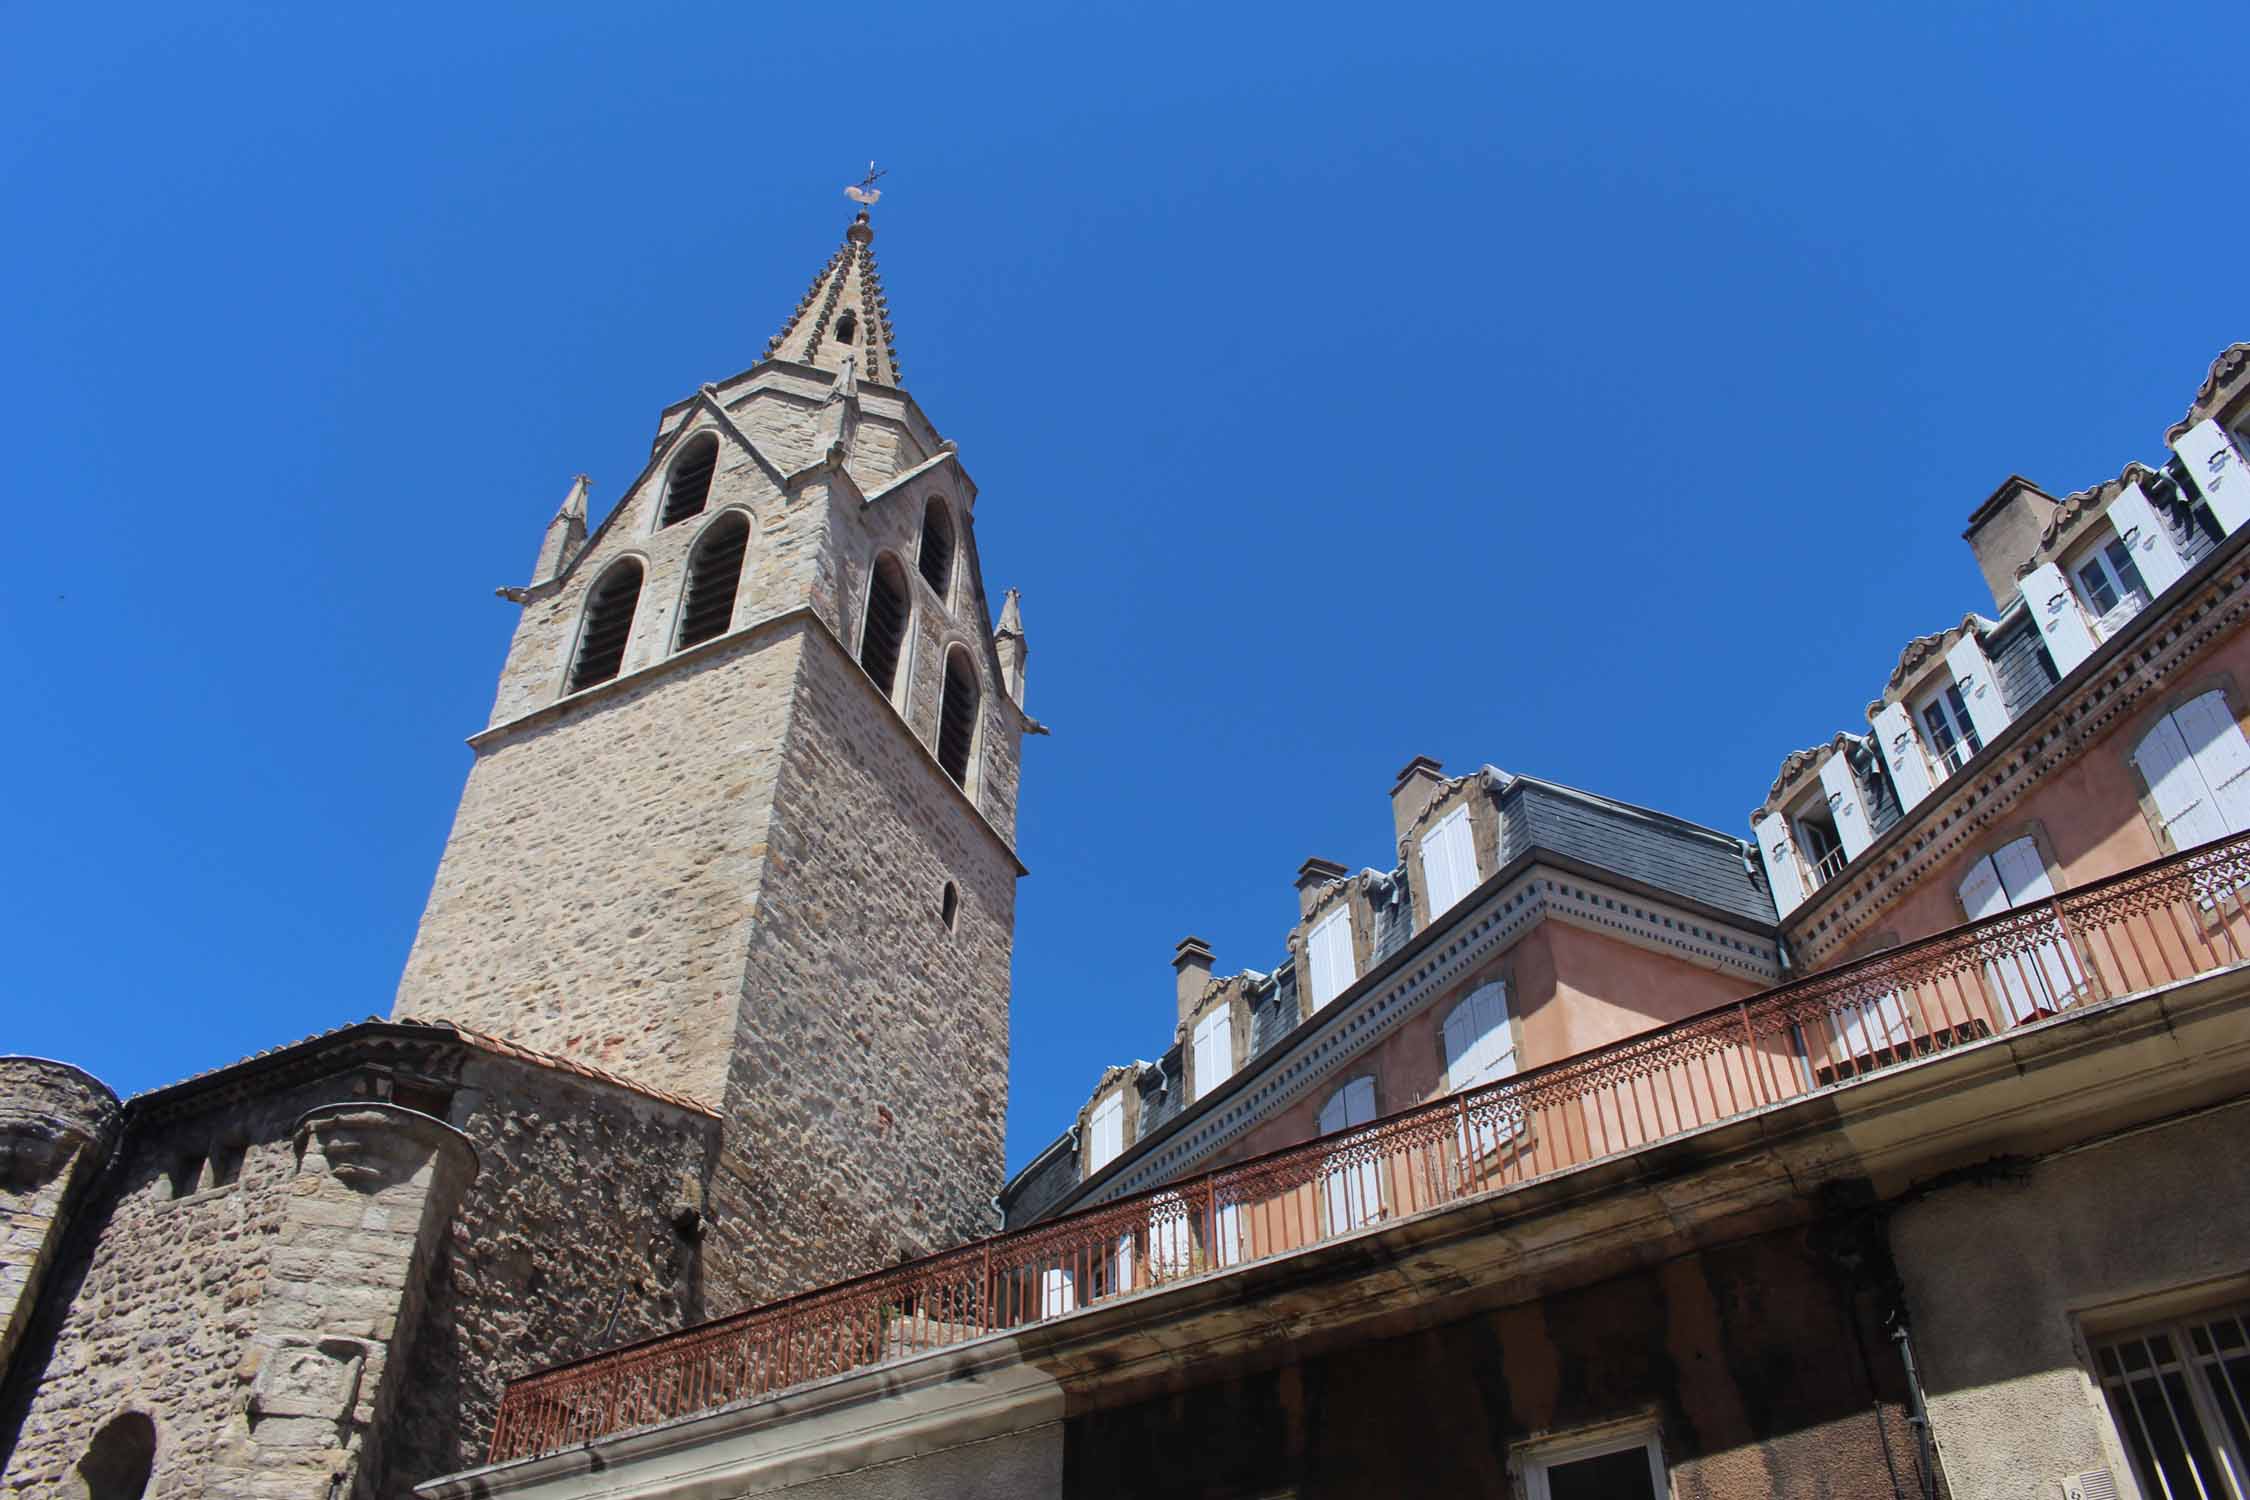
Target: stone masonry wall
869,1080
588,1206
57,1127
210,1257
596,896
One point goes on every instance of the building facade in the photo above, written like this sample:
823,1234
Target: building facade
736,852
1577,1150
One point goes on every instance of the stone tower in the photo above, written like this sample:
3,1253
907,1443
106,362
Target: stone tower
742,824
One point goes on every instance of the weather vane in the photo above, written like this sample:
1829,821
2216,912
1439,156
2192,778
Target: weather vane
865,190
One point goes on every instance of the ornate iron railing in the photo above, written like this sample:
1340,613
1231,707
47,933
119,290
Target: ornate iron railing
2152,926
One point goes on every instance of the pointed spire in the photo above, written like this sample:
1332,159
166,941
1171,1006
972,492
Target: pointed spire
843,314
566,533
1008,643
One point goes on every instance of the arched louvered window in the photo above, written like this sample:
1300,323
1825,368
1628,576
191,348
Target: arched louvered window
885,636
714,575
937,545
957,717
117,1462
847,327
607,624
688,486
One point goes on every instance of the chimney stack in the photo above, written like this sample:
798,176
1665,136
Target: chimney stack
1191,962
1311,876
1421,781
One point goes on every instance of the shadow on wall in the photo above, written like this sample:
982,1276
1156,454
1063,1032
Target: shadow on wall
1762,1371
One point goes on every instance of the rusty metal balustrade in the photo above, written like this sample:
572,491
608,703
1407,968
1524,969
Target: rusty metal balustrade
2156,925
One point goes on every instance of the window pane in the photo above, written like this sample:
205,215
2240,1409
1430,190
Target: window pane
2160,1428
1613,1476
2096,584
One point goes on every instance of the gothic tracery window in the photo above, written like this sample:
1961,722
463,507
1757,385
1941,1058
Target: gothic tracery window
714,578
607,625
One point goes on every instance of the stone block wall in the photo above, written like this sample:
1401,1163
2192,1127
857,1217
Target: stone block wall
596,894
868,1085
244,1292
582,1232
57,1127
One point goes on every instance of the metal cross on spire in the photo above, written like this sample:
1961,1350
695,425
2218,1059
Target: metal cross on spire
864,190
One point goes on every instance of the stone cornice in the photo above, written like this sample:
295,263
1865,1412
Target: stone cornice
2169,634
2231,365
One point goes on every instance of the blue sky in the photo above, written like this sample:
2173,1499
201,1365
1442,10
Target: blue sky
1597,392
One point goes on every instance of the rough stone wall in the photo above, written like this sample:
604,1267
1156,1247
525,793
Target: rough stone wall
589,1207
251,1318
596,896
1762,1375
57,1127
868,1084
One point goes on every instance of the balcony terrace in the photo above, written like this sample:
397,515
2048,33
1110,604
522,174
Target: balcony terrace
1737,1079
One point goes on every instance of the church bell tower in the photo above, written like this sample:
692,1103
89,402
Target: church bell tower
742,824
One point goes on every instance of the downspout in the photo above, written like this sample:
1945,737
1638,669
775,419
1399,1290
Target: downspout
1918,1413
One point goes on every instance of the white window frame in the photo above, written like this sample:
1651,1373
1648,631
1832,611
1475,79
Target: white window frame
1329,957
1108,1119
2196,1375
2109,558
1534,1461
1953,707
1214,1035
1449,861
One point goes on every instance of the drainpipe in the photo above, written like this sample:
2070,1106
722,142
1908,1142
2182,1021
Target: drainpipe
1918,1416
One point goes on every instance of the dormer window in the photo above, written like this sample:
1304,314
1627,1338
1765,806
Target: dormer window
1105,1133
1944,714
847,328
688,486
1449,861
1328,953
2111,586
1822,846
1213,1051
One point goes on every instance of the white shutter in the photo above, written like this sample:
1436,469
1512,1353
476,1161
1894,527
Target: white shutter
1980,689
1108,1127
2216,466
1214,1051
1845,804
2221,754
2022,872
1449,861
1982,894
1781,863
2184,803
2053,972
1902,752
2147,538
1329,947
1479,1045
2054,609
1229,1226
1460,1045
1354,1189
